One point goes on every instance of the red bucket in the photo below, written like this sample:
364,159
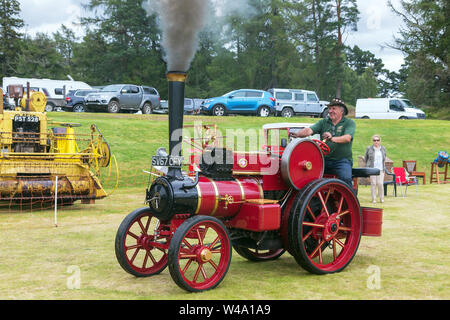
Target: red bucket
372,221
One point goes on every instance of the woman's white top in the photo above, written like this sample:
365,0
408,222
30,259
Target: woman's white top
378,159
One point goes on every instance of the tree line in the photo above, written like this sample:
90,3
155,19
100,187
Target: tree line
275,43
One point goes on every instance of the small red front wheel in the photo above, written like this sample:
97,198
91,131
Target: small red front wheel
323,146
199,253
139,251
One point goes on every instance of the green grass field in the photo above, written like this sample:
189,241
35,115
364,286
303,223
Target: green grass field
411,259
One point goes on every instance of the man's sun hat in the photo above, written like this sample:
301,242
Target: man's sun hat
336,102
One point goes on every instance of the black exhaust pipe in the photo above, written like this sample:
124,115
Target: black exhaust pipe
177,80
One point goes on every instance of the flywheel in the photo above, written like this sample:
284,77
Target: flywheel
105,154
37,103
302,161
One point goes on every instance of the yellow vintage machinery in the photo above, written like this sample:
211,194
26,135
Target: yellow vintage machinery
35,152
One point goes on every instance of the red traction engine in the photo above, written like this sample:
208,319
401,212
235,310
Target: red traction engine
259,204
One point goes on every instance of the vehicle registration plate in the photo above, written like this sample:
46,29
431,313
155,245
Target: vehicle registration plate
164,161
25,118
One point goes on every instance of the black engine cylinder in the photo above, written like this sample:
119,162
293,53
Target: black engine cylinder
169,196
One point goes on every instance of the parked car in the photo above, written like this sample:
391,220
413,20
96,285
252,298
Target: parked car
387,108
117,97
198,104
163,107
189,106
192,106
290,102
75,100
242,101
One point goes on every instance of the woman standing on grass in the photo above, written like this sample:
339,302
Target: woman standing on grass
375,157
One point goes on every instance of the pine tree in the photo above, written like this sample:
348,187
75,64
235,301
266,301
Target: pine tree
65,40
10,36
425,41
132,40
40,58
346,17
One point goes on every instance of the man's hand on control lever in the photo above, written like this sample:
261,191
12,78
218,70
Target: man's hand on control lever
326,136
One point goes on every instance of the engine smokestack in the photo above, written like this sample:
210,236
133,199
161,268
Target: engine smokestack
177,80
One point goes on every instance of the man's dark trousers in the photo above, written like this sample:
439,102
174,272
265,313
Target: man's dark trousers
341,168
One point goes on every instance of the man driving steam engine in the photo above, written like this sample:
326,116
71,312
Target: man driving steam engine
337,131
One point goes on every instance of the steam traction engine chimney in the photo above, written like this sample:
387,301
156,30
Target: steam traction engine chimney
177,81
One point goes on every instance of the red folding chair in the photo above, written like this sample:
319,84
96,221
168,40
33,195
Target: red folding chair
402,180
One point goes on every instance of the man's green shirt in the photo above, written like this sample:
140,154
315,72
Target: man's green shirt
338,150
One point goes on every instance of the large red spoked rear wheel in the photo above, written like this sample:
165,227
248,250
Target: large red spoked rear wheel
139,251
326,228
259,255
199,253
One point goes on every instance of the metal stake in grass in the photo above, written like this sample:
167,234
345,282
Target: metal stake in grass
56,202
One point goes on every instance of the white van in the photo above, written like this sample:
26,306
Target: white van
387,108
55,90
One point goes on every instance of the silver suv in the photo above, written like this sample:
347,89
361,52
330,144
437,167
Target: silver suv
290,102
117,97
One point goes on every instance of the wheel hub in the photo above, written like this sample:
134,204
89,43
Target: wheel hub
205,255
334,227
331,227
144,242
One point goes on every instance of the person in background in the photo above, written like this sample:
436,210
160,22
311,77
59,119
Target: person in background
375,157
